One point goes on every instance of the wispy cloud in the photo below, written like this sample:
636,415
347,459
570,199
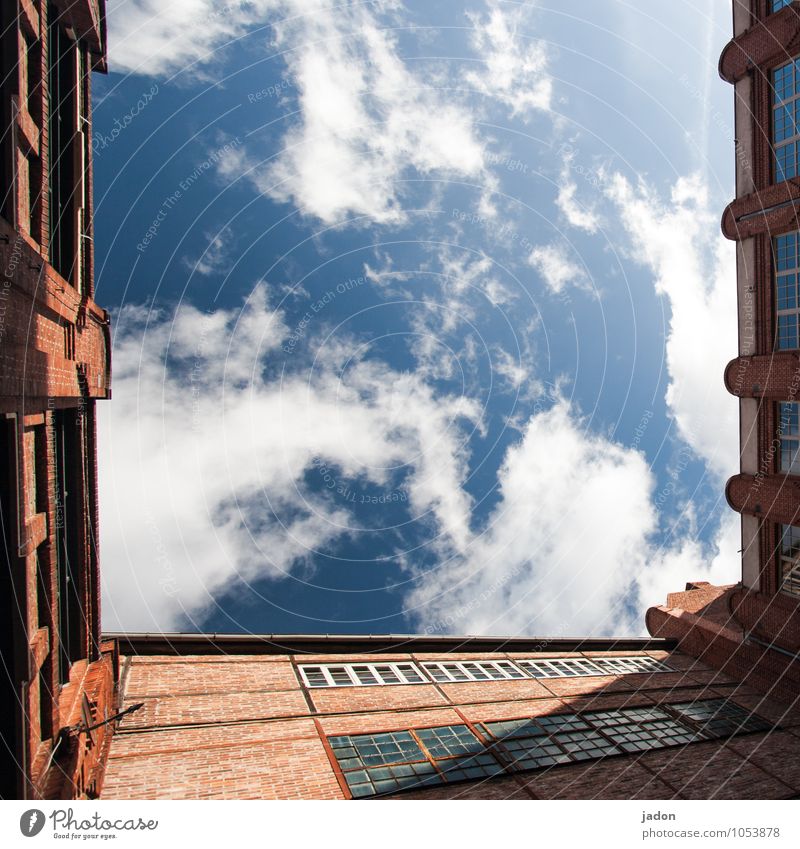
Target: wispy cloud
204,454
516,71
556,269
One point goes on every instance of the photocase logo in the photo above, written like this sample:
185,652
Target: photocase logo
31,822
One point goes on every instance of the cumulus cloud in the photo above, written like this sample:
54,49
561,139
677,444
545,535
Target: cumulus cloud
215,256
571,547
556,268
562,549
204,450
693,265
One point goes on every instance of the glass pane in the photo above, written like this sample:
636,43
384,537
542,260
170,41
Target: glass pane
314,676
436,672
510,670
340,675
455,672
387,674
410,674
364,675
476,671
787,331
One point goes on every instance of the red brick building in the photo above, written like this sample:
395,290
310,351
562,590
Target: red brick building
705,709
752,630
57,679
462,718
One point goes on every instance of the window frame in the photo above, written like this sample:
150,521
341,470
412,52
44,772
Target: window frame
428,666
786,267
440,769
503,746
467,671
788,434
355,681
786,150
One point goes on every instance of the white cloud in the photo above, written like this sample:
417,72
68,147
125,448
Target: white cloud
563,546
570,548
578,214
556,269
157,38
516,71
215,256
511,369
694,267
366,121
203,456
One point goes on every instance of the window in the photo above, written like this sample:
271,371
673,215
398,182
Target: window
479,670
785,115
630,665
546,741
777,5
789,435
374,764
449,672
790,559
642,729
559,668
361,674
720,717
68,120
785,263
570,668
71,508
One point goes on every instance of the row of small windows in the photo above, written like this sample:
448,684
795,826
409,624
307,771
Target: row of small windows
361,674
376,674
378,764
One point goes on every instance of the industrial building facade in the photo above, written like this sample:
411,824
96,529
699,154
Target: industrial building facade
762,63
448,718
56,679
707,708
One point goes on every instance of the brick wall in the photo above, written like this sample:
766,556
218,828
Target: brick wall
247,727
54,365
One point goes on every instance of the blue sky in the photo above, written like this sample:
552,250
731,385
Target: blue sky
420,314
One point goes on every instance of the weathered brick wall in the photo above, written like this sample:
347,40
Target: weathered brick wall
247,727
762,211
54,355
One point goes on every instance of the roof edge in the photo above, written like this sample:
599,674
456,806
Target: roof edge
194,644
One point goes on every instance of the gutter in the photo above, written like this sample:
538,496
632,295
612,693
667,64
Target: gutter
224,644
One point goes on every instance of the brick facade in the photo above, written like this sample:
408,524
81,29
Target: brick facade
246,726
763,376
58,679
